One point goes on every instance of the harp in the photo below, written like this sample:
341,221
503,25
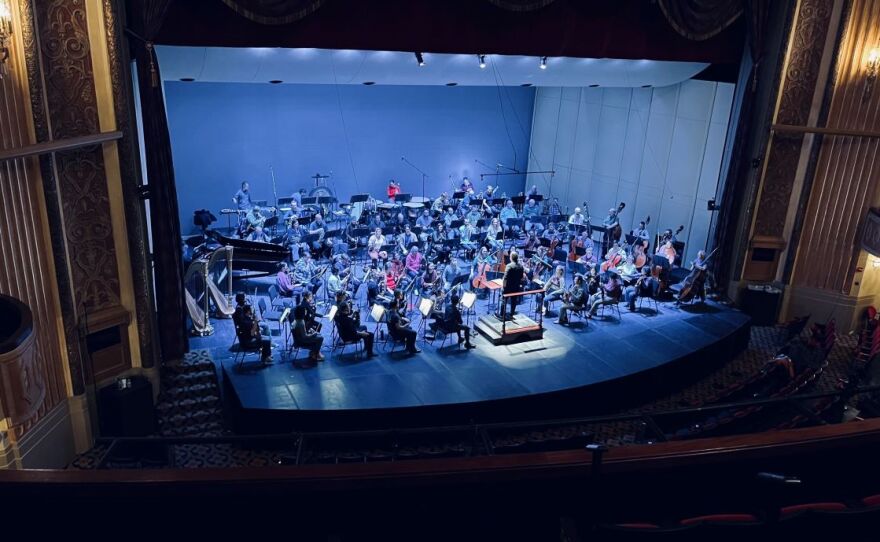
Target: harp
196,292
219,281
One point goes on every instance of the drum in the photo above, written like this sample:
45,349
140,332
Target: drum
386,206
413,205
357,209
419,199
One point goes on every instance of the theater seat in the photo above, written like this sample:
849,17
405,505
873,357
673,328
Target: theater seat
728,519
797,509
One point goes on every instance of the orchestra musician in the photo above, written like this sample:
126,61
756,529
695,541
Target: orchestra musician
449,217
242,198
645,286
506,213
492,233
466,186
530,213
430,282
295,233
440,203
696,279
532,242
307,304
334,283
376,221
452,320
608,293
466,233
553,208
305,337
249,336
450,273
627,269
611,222
348,325
305,273
482,263
398,328
283,283
574,299
589,257
393,274
533,191
258,235
375,280
667,250
413,262
374,246
424,221
252,220
641,233
554,289
393,190
474,215
406,239
319,227
577,218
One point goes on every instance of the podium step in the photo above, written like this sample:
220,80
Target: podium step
520,329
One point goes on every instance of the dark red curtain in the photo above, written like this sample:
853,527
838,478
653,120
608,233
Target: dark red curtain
633,29
701,19
145,18
274,11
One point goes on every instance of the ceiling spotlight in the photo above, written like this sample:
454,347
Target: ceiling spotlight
543,62
276,81
187,79
482,61
420,59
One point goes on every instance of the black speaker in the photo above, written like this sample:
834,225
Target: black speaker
761,305
127,410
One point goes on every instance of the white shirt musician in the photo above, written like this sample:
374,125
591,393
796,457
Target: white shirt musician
424,220
258,235
440,203
242,198
375,244
641,232
492,233
577,218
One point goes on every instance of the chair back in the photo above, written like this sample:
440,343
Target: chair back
262,304
273,293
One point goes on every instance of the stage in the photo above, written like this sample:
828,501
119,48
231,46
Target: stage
592,366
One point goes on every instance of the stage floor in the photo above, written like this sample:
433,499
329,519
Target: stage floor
585,354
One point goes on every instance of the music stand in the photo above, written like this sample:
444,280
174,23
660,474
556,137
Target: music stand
388,230
402,198
559,255
361,232
483,222
284,202
261,203
558,218
511,222
476,202
458,194
467,301
498,201
457,223
425,307
309,200
544,242
518,200
359,198
331,314
537,197
326,200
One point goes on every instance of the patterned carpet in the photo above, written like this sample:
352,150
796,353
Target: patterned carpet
190,405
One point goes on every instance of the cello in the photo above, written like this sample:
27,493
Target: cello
694,282
638,248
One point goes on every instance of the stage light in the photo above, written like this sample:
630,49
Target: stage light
543,62
872,66
420,59
482,59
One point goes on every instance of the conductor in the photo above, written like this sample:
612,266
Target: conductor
512,283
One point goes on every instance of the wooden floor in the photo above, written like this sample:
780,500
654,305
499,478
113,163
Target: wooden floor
584,354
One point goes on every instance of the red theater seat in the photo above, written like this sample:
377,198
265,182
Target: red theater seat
790,511
721,518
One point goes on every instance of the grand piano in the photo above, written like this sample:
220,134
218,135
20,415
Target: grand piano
252,257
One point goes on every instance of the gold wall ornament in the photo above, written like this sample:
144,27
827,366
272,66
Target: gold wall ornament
872,65
5,35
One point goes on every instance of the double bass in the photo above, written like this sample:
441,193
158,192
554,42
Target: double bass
695,282
638,248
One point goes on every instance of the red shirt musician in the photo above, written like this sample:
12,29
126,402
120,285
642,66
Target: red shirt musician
393,190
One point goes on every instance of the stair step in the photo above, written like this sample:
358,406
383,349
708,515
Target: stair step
190,403
195,416
184,368
188,379
194,390
196,429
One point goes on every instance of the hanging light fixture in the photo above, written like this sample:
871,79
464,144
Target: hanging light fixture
482,59
872,65
543,62
5,34
420,59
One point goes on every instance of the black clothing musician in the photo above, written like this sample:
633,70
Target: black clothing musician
348,326
576,300
698,266
453,321
247,329
398,328
306,338
309,312
645,286
512,282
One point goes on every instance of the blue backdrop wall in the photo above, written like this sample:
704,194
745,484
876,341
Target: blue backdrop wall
224,133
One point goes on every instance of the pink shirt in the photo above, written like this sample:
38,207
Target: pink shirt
414,261
283,283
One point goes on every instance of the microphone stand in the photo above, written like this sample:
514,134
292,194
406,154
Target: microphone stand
274,193
424,175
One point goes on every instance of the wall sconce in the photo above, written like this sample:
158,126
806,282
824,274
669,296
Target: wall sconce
5,34
875,262
872,65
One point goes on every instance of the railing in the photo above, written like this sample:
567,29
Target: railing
505,297
482,439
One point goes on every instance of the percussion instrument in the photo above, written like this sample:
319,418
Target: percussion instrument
385,206
232,212
413,205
